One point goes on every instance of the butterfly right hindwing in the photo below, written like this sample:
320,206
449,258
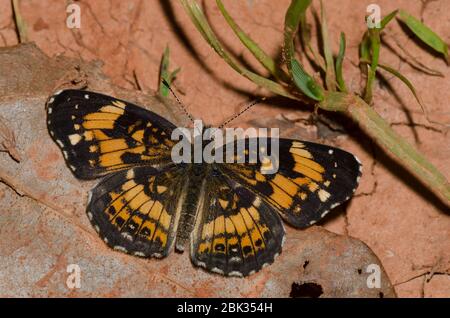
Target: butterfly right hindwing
236,232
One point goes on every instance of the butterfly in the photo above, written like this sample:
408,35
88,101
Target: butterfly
229,215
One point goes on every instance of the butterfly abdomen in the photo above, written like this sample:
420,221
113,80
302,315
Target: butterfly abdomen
196,176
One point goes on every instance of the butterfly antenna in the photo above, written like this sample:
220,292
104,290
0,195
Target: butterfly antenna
229,120
178,100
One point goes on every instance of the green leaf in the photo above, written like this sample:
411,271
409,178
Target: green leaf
330,76
406,82
305,82
385,21
374,39
294,14
339,61
197,16
364,48
165,74
424,33
365,45
253,47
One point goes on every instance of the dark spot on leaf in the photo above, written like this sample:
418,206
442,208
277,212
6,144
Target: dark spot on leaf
310,290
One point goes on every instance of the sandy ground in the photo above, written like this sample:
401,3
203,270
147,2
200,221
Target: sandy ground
401,221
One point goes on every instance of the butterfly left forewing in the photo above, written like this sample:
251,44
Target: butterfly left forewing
99,134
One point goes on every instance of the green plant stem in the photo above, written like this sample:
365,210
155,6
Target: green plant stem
380,131
374,36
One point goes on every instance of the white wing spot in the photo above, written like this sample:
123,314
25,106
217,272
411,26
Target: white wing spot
235,274
217,270
60,143
201,264
86,96
75,138
283,240
130,174
330,151
257,202
140,254
323,195
120,248
334,205
127,236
